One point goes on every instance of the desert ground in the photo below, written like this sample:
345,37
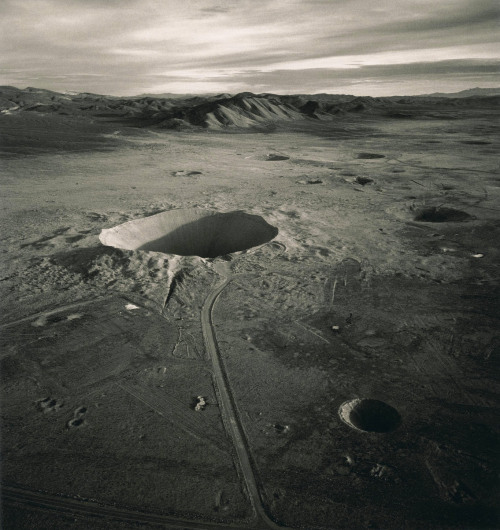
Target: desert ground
340,373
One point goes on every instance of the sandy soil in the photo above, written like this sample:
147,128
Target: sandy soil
381,284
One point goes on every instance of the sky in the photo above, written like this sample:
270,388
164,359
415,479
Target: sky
359,47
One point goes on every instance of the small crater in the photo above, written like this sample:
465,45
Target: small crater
364,180
74,239
438,214
274,158
49,404
281,429
78,418
75,422
97,217
369,156
369,415
52,319
310,181
184,173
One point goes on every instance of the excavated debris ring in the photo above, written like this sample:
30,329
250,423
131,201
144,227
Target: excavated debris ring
191,232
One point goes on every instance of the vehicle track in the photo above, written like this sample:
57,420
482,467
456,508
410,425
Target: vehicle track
229,410
43,501
59,309
176,412
20,496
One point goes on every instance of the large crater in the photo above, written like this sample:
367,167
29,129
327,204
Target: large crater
203,233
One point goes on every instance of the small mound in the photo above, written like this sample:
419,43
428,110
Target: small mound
437,214
369,415
369,156
191,232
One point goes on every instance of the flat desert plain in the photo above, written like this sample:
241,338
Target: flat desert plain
340,373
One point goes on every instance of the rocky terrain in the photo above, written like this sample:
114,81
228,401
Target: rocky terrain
240,111
249,311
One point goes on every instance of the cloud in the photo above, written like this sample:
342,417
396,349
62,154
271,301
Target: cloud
444,17
383,79
129,46
214,10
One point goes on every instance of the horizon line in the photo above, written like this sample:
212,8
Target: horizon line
232,94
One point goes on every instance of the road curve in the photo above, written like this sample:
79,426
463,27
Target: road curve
229,411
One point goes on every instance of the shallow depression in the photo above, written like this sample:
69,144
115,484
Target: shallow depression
192,232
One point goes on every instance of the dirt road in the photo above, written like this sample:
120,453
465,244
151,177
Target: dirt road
229,410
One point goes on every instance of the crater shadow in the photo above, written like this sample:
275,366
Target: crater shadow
442,215
369,156
191,233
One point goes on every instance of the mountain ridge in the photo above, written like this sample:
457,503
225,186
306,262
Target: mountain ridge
244,110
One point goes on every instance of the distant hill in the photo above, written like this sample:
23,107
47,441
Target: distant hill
241,111
166,95
471,92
